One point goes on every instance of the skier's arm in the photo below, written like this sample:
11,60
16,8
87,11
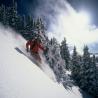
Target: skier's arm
27,45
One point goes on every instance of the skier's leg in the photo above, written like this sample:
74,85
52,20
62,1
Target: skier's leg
36,56
39,58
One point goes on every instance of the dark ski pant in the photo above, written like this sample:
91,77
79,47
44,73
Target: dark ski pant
36,56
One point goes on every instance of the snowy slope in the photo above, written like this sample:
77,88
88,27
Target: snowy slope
20,78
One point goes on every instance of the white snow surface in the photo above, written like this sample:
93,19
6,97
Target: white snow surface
21,78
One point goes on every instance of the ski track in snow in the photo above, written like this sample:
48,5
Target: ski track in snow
21,78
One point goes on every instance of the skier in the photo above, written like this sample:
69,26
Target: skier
34,45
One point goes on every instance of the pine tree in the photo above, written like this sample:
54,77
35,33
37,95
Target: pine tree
96,93
3,14
23,21
54,59
88,73
65,53
75,65
12,16
93,82
29,23
85,69
39,29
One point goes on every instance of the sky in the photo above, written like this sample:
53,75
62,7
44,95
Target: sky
74,19
89,5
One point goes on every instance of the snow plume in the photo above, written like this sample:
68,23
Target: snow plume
9,37
46,68
64,21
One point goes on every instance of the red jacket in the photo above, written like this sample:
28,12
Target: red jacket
34,46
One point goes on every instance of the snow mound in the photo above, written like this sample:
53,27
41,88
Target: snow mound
20,78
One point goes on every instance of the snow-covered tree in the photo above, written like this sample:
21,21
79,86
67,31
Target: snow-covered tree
29,23
85,69
12,16
96,93
65,53
54,58
75,65
3,14
57,64
88,80
93,82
